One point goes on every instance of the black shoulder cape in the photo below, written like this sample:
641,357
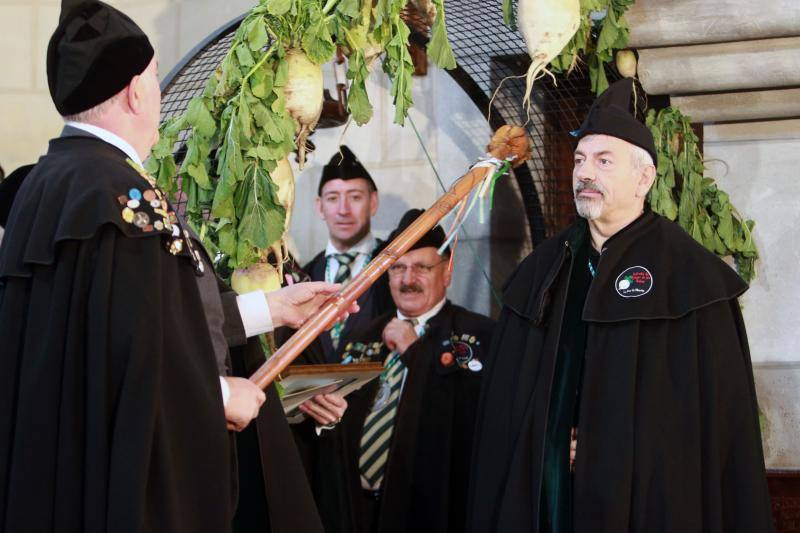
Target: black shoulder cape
111,417
668,430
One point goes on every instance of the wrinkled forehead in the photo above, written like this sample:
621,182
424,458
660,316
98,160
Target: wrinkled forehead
598,143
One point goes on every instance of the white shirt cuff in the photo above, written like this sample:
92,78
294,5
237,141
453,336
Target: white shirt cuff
255,313
226,390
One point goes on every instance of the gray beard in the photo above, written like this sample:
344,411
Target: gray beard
589,209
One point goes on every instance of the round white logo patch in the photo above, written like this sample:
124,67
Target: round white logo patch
634,282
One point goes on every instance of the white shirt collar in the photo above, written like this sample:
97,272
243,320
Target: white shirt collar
365,246
424,317
111,138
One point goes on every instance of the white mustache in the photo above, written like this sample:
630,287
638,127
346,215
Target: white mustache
583,185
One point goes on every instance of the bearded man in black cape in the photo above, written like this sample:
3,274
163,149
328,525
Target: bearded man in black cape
620,339
116,333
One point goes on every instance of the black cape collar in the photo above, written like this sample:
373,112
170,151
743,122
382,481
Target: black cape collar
652,269
648,270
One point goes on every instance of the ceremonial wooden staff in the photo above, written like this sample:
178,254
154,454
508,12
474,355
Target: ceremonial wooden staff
509,143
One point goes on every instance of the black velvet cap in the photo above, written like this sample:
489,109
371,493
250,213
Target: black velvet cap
610,115
93,54
435,237
343,166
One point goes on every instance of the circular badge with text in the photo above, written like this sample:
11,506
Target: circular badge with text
634,282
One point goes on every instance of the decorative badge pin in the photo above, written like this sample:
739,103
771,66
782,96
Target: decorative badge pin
462,351
634,282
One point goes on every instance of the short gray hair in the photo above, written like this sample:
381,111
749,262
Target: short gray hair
92,114
640,157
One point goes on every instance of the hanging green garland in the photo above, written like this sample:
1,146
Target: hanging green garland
260,105
681,192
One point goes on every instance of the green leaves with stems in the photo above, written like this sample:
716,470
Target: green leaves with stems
238,128
681,192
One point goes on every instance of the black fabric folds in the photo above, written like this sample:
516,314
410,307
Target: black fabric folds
111,418
669,438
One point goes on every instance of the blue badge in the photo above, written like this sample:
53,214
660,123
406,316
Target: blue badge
135,194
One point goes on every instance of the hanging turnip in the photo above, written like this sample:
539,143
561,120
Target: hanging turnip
303,97
283,178
626,63
547,26
257,277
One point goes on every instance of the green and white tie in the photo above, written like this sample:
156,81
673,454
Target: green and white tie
376,438
343,272
342,275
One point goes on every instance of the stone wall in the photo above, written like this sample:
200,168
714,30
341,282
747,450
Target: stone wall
29,118
756,163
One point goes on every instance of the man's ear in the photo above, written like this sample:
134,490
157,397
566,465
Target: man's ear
133,95
448,271
646,180
374,201
318,205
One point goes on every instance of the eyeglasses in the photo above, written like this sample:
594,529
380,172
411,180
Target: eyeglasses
417,269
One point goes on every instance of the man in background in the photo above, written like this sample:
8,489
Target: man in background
402,460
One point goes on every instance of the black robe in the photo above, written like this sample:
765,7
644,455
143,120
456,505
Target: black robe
668,429
111,417
425,482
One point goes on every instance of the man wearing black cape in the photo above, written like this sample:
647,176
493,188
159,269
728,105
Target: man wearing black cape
620,338
399,460
347,199
115,331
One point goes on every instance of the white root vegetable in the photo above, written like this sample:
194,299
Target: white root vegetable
258,277
303,97
626,63
283,177
547,26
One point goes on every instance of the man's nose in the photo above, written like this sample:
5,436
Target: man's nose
344,206
408,275
584,171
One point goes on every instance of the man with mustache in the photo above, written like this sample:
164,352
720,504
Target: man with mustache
402,461
620,396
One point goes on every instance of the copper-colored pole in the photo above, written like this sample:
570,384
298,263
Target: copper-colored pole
508,141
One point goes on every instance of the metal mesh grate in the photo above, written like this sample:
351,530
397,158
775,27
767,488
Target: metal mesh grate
487,52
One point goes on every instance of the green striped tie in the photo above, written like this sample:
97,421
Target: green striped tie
376,438
378,427
343,272
342,275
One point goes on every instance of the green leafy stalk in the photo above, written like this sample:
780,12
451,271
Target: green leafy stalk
239,128
681,192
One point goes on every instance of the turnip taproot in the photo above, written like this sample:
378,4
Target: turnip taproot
303,97
547,26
